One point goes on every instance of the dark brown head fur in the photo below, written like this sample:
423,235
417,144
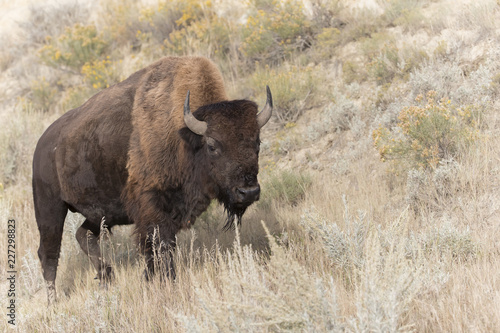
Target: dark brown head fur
231,146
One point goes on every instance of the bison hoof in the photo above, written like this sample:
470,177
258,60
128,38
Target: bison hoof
106,275
51,292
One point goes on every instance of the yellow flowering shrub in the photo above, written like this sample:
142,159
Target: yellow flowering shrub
78,45
81,49
187,26
99,74
119,20
428,132
275,29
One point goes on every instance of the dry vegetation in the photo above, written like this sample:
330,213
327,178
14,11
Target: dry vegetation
380,170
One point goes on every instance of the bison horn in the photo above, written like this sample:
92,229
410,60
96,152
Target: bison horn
197,126
264,115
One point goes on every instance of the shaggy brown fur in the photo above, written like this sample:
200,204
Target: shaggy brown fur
127,156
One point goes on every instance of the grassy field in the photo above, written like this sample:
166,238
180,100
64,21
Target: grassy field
380,173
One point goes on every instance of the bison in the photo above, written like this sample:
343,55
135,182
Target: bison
134,153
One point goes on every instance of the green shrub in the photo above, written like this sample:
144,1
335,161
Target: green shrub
404,13
287,187
293,88
441,49
428,132
360,23
372,45
43,94
412,58
352,72
325,13
326,41
387,60
446,239
75,96
286,139
385,66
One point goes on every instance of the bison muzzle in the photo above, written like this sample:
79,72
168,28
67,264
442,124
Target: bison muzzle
134,153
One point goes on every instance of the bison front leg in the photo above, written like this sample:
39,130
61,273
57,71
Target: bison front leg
154,216
158,247
88,238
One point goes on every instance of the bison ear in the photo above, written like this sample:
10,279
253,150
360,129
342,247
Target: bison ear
192,139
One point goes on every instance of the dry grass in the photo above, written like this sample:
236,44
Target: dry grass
346,244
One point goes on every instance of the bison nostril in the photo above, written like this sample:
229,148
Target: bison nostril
248,194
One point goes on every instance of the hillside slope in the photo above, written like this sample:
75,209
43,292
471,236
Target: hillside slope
379,170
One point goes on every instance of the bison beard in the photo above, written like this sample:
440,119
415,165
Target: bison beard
232,212
134,153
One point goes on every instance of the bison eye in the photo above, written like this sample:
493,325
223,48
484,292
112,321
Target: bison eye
212,147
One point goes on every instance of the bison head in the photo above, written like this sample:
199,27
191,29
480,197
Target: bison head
225,137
